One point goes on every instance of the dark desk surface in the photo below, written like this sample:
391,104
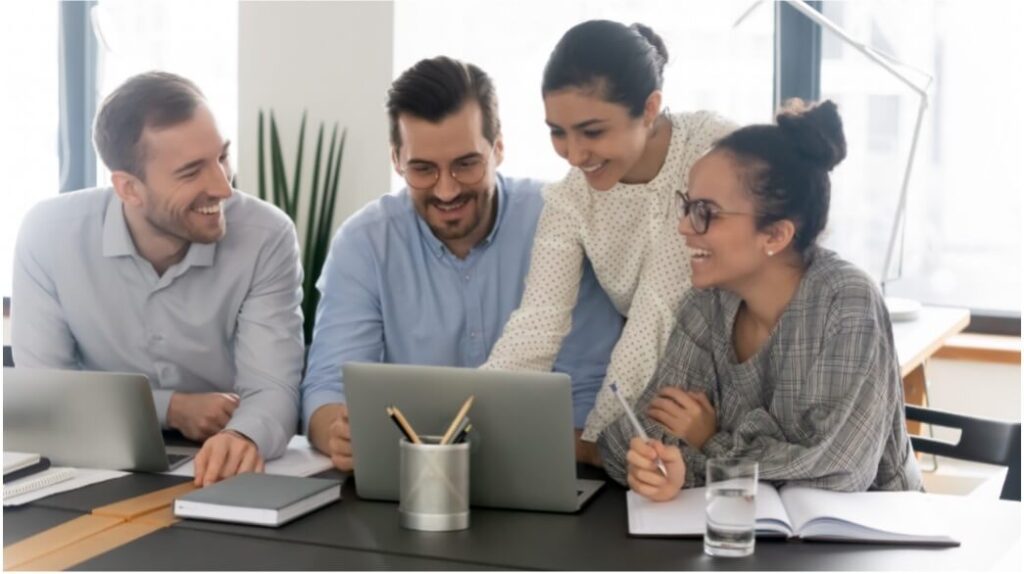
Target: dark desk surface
362,535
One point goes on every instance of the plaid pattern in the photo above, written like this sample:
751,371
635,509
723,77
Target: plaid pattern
820,404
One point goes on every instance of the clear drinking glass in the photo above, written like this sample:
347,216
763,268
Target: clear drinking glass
731,507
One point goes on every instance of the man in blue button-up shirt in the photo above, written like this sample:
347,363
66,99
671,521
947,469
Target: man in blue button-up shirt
431,274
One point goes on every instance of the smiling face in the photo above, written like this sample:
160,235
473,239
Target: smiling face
187,179
732,252
459,213
597,136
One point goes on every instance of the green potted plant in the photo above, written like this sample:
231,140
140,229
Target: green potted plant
318,197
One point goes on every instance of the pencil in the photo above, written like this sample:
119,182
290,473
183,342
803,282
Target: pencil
450,433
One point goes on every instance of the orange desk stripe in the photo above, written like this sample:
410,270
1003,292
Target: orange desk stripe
163,516
55,538
88,536
91,547
134,507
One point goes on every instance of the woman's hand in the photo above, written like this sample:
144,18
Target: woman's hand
645,478
687,415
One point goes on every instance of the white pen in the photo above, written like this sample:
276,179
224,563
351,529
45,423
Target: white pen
636,424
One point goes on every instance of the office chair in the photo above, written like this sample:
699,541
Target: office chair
981,440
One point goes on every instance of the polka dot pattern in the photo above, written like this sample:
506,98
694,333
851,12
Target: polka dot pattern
630,235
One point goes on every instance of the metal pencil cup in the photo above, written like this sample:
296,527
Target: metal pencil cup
433,485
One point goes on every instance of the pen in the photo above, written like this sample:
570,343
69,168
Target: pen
403,425
450,433
460,433
636,424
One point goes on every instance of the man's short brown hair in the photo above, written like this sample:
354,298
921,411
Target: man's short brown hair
436,88
152,99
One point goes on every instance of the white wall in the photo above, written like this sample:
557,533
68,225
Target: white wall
333,59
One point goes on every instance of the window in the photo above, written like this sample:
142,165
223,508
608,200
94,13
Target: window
29,112
711,65
962,240
195,38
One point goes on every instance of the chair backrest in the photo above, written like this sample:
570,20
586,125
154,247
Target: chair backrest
981,440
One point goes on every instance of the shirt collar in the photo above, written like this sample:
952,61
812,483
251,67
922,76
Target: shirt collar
437,247
117,240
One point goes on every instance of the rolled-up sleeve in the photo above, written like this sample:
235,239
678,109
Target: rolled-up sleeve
349,322
269,348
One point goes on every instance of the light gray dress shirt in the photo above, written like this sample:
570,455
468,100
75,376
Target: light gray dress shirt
819,404
226,318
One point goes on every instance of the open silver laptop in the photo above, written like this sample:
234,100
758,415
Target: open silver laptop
85,419
522,451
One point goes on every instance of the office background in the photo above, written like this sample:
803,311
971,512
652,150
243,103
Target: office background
335,60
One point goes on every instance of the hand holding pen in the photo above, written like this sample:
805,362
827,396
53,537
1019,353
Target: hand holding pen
636,424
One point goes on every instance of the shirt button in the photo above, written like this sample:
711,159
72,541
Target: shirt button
466,277
473,335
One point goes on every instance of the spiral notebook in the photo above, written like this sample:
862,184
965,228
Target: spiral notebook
37,481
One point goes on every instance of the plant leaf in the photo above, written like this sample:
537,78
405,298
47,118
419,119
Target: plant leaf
311,212
280,176
298,167
261,168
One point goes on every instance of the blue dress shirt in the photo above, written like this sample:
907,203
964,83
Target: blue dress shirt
392,292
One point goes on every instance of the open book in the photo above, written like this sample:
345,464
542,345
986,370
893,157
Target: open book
802,512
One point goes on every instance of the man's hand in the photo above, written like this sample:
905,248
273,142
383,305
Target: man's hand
199,416
643,476
330,433
224,455
587,452
687,415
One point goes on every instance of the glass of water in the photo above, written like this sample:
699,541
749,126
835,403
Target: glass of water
730,510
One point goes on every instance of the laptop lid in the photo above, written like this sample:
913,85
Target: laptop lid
83,419
522,451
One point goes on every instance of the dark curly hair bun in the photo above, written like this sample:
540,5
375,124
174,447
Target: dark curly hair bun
816,131
654,39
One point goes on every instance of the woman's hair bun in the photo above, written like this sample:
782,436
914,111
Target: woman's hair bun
654,39
816,131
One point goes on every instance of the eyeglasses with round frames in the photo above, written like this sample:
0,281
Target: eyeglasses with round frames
700,212
467,171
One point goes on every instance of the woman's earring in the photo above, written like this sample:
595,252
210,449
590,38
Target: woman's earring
770,253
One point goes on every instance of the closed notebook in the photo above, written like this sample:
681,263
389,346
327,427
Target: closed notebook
806,513
261,499
21,464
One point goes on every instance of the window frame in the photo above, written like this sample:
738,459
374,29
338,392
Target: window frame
77,80
798,74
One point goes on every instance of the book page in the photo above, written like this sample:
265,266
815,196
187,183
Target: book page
684,515
895,516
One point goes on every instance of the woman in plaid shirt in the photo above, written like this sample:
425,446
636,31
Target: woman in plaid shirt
783,352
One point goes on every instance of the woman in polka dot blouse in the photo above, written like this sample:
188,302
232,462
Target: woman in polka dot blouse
602,97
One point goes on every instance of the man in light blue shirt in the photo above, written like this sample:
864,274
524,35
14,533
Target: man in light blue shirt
431,274
173,274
